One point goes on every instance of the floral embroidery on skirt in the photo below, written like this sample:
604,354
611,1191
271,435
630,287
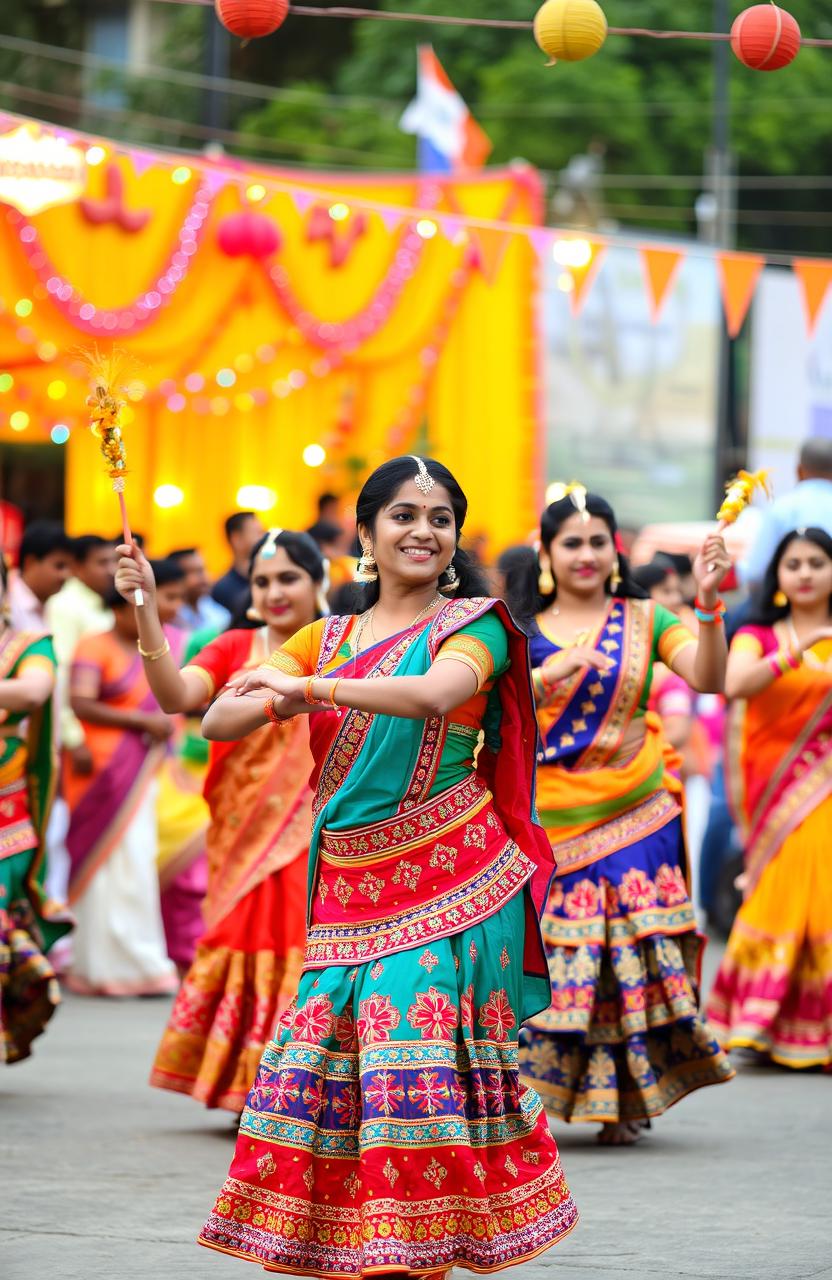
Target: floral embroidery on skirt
388,1128
623,1038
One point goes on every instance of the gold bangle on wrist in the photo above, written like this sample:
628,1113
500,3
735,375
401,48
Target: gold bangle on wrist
153,655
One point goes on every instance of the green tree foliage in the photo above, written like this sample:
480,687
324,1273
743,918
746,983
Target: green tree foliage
338,89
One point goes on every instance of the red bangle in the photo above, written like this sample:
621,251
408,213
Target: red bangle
269,711
719,607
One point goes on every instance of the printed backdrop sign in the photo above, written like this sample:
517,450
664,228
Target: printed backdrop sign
631,403
791,376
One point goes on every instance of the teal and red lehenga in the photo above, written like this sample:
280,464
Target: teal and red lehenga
387,1129
29,922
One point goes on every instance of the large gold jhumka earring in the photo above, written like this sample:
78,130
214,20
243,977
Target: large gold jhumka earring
366,570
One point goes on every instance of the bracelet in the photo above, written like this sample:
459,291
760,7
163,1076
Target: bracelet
782,661
332,701
269,711
307,692
153,655
714,615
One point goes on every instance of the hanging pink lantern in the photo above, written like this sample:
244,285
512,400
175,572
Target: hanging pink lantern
263,235
248,234
251,18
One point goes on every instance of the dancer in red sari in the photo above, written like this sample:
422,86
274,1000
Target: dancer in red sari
387,1132
248,961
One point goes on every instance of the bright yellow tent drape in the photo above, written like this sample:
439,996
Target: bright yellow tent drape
453,366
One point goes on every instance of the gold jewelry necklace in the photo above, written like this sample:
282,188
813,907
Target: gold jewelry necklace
809,659
581,634
423,613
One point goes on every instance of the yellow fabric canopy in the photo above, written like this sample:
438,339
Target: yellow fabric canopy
241,359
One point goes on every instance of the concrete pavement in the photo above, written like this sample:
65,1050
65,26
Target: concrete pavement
103,1177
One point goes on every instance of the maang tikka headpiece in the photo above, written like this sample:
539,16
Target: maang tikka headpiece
423,480
574,491
269,547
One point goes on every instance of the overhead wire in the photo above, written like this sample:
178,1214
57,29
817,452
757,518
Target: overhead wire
282,183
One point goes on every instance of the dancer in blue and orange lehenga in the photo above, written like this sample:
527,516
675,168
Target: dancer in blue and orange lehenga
387,1131
623,1039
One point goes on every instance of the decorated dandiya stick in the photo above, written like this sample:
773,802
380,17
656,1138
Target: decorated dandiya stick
738,494
105,406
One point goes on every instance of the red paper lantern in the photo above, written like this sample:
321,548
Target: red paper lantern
251,18
765,37
247,233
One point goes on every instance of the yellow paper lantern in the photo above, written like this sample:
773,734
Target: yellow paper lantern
570,30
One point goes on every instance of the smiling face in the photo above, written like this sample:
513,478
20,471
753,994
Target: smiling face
414,537
582,555
805,574
283,593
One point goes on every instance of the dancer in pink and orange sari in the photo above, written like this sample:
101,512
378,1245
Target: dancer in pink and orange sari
773,992
248,960
119,945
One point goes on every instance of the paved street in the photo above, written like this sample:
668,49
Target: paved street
104,1177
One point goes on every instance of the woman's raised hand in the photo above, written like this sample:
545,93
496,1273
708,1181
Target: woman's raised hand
133,573
710,567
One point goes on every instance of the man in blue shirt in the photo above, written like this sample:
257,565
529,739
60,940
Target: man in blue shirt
243,530
808,505
198,609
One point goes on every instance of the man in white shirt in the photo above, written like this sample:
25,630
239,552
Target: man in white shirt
45,565
808,505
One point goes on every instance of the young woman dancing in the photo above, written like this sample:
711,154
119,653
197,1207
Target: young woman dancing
623,1039
387,1132
773,993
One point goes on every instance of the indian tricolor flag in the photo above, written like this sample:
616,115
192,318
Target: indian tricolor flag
449,136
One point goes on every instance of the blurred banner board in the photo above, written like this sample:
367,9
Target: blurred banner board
631,405
791,376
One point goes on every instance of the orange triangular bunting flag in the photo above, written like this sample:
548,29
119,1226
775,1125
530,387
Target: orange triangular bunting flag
583,275
660,267
487,250
815,276
738,274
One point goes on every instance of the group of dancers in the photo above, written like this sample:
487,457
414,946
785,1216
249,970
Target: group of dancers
479,913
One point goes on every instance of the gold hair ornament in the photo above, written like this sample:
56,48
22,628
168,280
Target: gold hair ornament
576,493
423,480
269,547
